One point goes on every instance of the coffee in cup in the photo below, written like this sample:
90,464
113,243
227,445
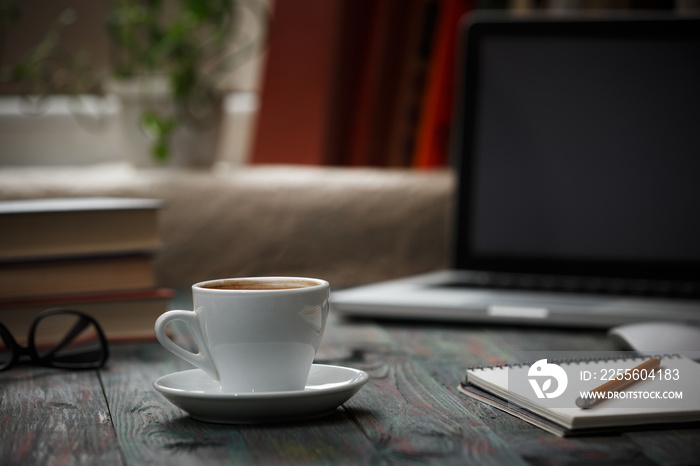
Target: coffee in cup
257,284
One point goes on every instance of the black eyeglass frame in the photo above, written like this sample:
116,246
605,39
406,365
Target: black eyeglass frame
17,350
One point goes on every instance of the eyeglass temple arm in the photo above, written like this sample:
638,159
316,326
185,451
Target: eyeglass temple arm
78,327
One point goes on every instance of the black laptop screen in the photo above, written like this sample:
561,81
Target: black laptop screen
581,148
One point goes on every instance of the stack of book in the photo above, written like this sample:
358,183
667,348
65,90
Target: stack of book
89,254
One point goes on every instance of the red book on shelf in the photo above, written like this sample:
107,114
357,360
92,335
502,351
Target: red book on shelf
417,43
368,87
295,96
433,130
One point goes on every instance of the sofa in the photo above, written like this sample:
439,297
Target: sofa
350,226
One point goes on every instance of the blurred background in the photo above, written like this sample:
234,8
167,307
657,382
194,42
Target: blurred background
319,82
279,137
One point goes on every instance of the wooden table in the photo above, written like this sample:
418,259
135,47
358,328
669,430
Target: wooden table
409,412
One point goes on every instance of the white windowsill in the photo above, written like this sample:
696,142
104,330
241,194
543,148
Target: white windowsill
54,137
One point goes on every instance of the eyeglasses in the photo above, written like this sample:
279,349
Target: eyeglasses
61,338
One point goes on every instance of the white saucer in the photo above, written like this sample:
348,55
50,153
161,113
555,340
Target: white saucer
326,388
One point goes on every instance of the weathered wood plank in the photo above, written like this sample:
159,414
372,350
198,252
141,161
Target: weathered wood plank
150,430
404,411
409,412
672,447
539,447
51,416
435,345
153,431
333,440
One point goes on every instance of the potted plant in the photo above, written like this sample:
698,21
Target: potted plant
168,58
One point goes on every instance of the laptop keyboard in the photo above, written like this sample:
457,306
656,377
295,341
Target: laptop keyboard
585,285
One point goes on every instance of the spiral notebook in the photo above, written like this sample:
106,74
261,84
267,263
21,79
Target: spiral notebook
666,396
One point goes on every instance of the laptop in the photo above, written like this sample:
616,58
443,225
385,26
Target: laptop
576,145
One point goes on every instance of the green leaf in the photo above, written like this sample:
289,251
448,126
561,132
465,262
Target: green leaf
159,128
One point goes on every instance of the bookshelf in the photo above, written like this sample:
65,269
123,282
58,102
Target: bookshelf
363,83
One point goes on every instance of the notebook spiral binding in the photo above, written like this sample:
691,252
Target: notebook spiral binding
588,360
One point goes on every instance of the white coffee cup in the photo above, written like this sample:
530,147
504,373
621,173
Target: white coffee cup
255,334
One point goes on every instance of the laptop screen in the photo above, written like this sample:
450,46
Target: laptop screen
579,149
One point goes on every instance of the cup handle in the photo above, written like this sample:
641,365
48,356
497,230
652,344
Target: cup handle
201,359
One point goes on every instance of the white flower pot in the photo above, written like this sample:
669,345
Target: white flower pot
191,144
